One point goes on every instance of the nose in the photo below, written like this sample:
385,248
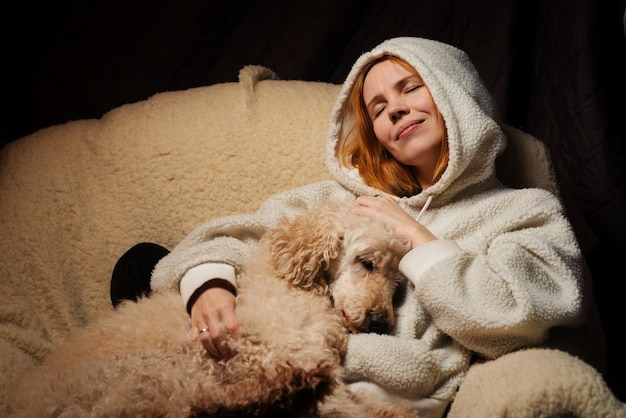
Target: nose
377,323
397,110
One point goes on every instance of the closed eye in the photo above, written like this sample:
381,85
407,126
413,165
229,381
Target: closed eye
367,264
413,87
378,111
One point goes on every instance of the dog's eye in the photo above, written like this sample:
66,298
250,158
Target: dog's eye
367,264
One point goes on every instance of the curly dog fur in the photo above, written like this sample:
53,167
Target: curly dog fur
310,282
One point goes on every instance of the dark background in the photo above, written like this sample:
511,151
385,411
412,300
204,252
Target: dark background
556,69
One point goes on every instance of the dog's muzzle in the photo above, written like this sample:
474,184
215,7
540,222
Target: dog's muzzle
377,323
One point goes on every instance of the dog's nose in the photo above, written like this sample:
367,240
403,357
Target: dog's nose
377,323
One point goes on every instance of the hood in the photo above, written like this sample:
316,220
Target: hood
474,136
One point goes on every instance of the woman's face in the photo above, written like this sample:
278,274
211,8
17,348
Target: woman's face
404,116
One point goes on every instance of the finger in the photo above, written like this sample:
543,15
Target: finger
222,340
201,333
386,202
210,337
215,339
230,326
207,342
224,349
198,323
217,345
363,206
366,200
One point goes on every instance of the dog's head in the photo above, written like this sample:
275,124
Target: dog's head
348,258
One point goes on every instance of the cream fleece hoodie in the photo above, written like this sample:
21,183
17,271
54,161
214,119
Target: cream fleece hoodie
505,271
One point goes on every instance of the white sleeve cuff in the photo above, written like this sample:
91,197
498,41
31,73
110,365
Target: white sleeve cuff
199,275
420,258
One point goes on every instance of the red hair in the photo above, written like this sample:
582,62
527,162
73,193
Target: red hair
361,149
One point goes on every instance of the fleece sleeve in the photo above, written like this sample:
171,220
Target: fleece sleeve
228,240
431,366
516,278
419,259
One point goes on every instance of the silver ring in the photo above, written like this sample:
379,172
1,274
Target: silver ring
204,330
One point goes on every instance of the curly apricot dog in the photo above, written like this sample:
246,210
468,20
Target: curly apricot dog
310,282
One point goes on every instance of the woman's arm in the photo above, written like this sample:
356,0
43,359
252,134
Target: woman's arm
221,245
517,275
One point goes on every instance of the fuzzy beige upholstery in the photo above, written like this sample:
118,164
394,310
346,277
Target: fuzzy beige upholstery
74,197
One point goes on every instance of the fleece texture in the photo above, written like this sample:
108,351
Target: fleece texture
75,197
507,268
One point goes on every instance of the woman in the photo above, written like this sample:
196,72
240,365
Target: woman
413,135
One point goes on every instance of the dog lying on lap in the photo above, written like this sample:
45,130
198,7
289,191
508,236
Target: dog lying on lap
311,281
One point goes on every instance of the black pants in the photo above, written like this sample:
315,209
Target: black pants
131,274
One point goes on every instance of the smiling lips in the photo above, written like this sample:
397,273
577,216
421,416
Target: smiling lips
408,128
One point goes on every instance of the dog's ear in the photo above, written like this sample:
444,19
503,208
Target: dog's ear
301,249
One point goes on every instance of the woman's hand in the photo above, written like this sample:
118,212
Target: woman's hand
213,321
387,210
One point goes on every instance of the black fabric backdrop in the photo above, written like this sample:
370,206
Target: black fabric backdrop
556,69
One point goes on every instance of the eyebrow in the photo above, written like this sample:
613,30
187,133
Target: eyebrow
398,85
